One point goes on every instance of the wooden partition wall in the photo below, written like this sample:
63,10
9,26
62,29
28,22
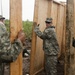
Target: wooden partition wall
42,10
15,27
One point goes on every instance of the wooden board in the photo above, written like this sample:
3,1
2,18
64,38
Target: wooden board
33,49
60,26
70,50
54,13
15,27
63,34
37,54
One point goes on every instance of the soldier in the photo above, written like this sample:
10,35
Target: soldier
50,46
9,51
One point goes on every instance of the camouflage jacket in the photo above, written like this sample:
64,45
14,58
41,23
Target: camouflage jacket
11,50
50,44
8,52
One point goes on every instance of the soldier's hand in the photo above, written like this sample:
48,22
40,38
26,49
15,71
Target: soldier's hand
35,24
21,36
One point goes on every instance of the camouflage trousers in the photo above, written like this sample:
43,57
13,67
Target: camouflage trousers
51,65
1,68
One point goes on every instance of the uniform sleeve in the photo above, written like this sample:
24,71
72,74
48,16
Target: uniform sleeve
10,51
39,33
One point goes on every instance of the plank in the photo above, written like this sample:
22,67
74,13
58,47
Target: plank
70,52
15,27
37,51
34,37
50,6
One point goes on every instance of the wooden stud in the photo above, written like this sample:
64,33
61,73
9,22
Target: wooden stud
50,4
33,49
15,27
70,52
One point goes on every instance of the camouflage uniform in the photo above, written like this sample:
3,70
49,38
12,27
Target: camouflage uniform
50,47
8,52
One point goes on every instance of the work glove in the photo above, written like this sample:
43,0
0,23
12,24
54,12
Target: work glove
36,26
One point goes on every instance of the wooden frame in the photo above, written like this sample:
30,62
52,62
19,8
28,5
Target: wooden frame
44,9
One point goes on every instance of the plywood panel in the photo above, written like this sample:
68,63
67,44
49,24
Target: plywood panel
50,5
15,27
42,14
44,9
63,34
41,17
39,55
60,25
54,13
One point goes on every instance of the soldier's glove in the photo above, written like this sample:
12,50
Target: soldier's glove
35,24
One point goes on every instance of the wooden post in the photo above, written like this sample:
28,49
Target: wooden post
33,49
15,27
70,52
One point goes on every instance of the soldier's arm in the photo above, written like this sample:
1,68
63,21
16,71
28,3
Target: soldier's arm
39,33
10,51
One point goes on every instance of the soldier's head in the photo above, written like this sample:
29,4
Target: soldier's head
2,19
48,22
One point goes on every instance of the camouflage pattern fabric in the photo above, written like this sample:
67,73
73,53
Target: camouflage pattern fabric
50,65
50,44
1,68
50,47
8,52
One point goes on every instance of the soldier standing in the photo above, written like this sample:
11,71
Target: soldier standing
9,52
50,46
